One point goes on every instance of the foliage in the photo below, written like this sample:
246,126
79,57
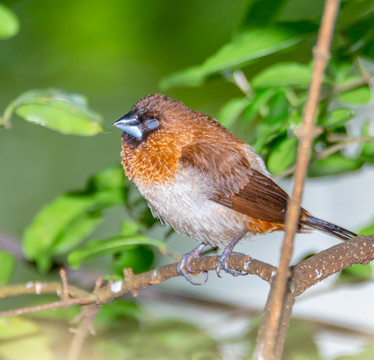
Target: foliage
265,59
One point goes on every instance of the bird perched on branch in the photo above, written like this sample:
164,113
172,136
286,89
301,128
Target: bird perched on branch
202,180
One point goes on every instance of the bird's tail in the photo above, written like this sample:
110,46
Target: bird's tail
328,228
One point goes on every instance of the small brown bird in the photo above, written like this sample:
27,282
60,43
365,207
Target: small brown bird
202,180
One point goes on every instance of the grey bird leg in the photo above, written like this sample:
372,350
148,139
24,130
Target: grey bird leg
184,265
223,259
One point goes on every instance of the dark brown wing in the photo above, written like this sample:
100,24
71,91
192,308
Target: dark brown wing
235,184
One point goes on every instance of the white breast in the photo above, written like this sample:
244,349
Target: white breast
185,205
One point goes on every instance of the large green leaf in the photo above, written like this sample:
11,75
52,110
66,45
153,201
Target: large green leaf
247,46
112,245
284,74
57,110
53,223
283,156
9,24
68,220
7,267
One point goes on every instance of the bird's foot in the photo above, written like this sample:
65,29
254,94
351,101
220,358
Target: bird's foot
223,262
184,268
224,258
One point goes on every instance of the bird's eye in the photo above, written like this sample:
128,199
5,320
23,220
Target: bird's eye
151,124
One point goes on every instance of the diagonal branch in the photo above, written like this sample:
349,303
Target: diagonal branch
273,322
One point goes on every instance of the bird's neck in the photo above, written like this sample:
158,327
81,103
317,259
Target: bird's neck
152,162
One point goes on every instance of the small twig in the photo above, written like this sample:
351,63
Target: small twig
87,319
65,285
365,80
274,325
345,142
49,306
340,146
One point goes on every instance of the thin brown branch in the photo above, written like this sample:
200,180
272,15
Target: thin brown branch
340,146
50,306
365,80
345,142
274,322
86,326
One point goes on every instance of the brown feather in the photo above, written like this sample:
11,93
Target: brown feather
235,184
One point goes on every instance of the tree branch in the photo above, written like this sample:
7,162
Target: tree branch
304,275
274,321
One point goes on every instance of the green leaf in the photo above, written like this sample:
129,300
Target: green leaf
68,220
9,24
230,112
258,105
116,313
333,165
262,12
283,156
57,110
282,75
246,47
109,246
164,340
367,152
336,118
368,230
23,339
355,274
7,267
51,224
355,96
138,258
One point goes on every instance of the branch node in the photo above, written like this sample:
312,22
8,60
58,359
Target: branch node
65,285
320,54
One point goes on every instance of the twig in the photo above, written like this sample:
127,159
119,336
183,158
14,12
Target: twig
274,325
345,142
65,285
87,319
49,306
337,147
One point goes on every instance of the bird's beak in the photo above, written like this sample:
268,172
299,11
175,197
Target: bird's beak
130,124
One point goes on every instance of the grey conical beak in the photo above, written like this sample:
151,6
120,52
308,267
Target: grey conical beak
130,124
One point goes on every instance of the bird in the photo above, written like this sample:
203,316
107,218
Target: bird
203,181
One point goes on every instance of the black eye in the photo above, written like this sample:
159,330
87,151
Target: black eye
151,124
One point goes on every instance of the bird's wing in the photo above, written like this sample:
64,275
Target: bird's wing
235,184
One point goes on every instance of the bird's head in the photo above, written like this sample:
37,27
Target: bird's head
152,114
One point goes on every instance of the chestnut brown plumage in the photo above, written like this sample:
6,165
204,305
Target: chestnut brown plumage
202,180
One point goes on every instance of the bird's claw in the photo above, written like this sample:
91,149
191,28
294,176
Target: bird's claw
223,261
184,268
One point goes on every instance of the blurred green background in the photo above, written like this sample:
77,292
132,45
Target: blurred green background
114,53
